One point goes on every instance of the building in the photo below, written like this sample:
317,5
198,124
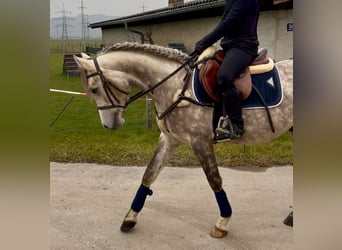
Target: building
186,23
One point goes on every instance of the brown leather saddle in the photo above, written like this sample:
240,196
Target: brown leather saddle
208,74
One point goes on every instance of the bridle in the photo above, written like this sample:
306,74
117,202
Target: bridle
111,96
114,101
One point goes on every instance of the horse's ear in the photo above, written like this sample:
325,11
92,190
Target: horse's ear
84,55
83,63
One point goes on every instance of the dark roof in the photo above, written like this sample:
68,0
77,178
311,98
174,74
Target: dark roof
190,10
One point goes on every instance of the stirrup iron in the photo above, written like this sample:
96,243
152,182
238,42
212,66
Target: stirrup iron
223,123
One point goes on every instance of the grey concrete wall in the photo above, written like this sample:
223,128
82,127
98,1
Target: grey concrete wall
272,31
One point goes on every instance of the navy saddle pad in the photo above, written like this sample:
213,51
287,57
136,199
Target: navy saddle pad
268,84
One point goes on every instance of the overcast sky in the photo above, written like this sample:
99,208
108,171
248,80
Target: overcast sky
105,7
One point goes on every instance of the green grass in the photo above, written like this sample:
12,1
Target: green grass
77,136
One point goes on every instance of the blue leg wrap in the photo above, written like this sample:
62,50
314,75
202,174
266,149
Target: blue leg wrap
222,200
140,197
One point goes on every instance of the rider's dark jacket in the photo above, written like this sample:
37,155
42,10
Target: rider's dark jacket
238,27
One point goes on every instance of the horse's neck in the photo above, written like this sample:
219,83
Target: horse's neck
147,70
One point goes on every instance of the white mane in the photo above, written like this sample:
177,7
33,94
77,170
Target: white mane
170,53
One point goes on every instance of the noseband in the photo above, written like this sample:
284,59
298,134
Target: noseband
109,93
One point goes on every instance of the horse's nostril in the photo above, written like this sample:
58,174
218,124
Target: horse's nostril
105,126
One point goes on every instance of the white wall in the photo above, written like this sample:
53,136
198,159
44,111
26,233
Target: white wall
272,32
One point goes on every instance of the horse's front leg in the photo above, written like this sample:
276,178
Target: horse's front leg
204,151
166,147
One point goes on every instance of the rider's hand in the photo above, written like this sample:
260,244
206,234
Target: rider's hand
200,47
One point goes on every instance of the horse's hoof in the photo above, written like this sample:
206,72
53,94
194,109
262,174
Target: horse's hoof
127,225
218,233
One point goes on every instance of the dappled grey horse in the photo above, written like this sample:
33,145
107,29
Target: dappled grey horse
165,75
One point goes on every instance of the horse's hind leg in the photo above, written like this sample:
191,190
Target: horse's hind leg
204,151
166,147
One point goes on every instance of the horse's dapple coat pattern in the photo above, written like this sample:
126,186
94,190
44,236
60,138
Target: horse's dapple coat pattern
131,64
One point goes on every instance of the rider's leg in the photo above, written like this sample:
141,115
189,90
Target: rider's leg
235,61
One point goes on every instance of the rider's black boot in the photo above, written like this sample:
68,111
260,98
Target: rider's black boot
231,125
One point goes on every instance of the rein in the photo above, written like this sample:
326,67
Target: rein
111,95
150,89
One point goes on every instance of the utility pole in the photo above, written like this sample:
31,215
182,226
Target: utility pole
64,23
56,36
82,20
143,7
87,28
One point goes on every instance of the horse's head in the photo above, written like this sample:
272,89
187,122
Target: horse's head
109,89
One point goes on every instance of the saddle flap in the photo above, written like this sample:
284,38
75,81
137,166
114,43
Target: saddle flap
244,84
207,76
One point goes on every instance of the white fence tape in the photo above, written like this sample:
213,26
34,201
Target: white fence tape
67,92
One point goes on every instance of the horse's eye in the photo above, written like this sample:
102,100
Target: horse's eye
94,91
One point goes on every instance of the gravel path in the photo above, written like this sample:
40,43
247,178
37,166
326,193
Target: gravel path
89,201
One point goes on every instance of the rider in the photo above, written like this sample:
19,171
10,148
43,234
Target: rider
238,28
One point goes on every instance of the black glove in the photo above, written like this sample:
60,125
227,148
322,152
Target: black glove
200,47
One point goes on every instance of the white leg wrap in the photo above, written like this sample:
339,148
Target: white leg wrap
222,223
131,216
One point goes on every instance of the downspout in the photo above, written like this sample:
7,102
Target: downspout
142,36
